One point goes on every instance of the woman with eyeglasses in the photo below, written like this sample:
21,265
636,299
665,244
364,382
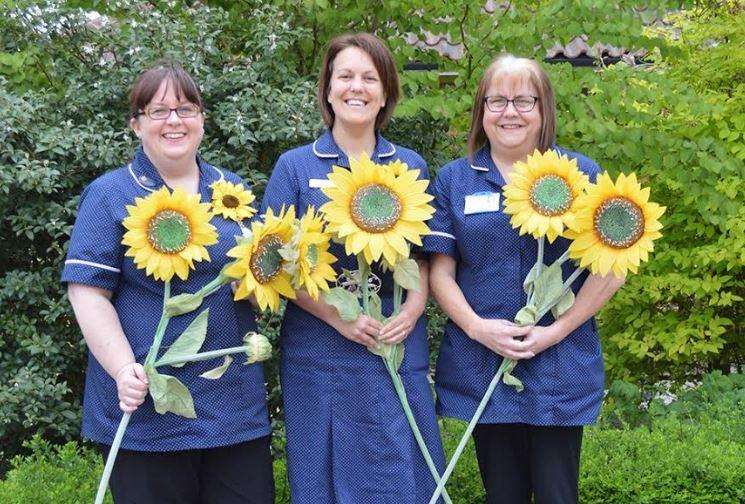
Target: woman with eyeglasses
223,455
527,443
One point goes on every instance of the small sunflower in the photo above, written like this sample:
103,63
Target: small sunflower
618,225
542,194
167,232
314,259
376,211
259,263
232,201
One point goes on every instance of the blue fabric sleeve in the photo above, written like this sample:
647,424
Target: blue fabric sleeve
282,188
95,253
442,233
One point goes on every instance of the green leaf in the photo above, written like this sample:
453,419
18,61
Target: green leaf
170,395
214,374
183,303
566,302
406,274
376,307
190,340
529,281
345,303
398,355
548,287
526,316
510,380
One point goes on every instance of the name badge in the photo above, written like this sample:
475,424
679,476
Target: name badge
319,182
481,202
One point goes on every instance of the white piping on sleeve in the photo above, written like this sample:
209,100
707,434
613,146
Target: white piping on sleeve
94,264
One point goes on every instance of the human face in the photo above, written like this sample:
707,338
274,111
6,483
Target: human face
511,130
355,92
171,140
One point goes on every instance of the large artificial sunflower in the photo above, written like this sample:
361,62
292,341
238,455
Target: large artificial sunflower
375,211
167,232
314,260
232,201
618,225
542,195
259,263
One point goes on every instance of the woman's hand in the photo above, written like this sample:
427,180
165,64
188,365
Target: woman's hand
398,328
500,335
542,337
131,385
364,330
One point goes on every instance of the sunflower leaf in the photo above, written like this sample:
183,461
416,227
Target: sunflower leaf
548,287
510,380
190,340
183,303
169,394
526,316
566,302
406,274
214,374
345,303
529,282
398,355
376,307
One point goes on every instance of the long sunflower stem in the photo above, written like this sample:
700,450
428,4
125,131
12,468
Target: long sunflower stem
151,355
539,260
469,430
203,356
489,391
401,392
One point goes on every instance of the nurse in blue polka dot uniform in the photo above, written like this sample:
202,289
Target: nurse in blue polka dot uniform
223,455
348,441
527,443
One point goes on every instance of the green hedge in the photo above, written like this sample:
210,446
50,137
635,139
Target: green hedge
689,452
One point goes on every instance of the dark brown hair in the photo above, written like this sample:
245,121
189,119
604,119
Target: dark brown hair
506,64
148,82
384,64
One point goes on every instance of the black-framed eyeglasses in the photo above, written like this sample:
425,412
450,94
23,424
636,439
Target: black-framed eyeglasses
522,103
160,113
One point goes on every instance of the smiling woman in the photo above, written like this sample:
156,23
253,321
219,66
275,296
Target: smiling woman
223,454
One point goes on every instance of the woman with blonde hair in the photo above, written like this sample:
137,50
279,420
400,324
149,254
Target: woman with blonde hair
527,443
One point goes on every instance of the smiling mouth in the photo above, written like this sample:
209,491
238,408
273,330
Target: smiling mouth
511,126
173,136
355,103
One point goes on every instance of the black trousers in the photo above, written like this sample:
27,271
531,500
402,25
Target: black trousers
239,473
519,462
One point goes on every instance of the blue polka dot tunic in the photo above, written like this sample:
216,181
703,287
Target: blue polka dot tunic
564,383
348,441
229,410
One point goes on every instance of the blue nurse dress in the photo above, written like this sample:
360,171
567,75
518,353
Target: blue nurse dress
348,441
564,383
229,410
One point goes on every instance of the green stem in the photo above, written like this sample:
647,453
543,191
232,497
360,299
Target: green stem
104,483
398,295
213,286
161,330
364,269
469,430
401,392
539,260
213,354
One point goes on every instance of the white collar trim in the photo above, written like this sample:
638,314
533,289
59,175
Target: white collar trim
479,168
323,155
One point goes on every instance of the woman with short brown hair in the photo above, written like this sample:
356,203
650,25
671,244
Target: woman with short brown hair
222,456
348,441
527,443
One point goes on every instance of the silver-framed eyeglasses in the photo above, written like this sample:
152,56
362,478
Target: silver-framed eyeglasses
522,103
160,113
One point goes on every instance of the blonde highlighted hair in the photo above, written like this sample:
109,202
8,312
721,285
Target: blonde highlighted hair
508,65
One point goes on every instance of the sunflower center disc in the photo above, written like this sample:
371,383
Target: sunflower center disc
312,255
266,262
550,195
168,232
230,201
375,208
619,222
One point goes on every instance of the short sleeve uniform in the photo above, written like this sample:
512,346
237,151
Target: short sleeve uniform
348,440
564,383
229,410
